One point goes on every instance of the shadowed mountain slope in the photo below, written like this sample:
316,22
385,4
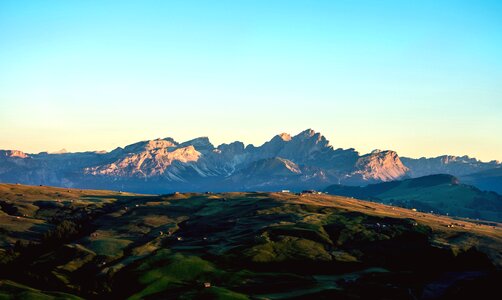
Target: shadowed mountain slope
439,193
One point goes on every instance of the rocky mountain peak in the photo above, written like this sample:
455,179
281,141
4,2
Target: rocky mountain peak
62,151
285,136
184,154
13,154
448,159
160,144
307,133
153,162
308,142
150,145
311,136
381,156
234,147
381,165
200,143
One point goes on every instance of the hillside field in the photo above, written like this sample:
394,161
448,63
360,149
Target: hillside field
69,244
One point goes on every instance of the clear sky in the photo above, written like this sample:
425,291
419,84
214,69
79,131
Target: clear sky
423,78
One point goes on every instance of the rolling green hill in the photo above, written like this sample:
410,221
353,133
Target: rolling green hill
27,212
441,194
236,246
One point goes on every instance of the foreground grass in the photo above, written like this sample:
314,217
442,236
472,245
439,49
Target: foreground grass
262,245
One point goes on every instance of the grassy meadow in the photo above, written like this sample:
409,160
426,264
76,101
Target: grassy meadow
67,243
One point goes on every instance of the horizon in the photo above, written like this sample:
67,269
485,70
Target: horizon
422,79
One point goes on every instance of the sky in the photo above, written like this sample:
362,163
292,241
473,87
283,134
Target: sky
423,78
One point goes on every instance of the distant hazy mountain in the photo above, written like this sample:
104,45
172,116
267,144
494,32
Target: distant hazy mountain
447,164
490,180
484,175
440,193
306,160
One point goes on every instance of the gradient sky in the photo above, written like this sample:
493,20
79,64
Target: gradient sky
423,78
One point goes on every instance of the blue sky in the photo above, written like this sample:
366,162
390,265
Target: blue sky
423,78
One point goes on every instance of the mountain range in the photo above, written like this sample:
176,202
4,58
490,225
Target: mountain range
304,161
